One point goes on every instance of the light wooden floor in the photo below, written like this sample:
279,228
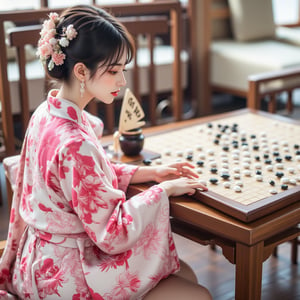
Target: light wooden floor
281,279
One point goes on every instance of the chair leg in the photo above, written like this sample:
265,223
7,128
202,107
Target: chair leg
272,104
294,251
289,104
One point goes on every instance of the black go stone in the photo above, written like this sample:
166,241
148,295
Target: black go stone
279,174
288,157
272,182
225,176
147,162
213,180
200,163
214,170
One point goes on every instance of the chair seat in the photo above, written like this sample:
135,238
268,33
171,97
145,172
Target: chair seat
288,34
244,59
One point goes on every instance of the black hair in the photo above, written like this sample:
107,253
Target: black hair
101,41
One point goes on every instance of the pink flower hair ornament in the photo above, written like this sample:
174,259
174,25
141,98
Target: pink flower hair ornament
49,46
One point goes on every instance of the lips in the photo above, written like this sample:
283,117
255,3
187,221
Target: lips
115,93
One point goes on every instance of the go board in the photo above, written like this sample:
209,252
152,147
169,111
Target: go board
249,162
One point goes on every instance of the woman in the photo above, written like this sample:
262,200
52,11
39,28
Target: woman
73,234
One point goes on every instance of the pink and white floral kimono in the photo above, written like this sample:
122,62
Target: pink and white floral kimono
73,234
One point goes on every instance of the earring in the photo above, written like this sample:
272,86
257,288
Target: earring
82,88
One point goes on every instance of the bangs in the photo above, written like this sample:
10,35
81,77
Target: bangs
115,55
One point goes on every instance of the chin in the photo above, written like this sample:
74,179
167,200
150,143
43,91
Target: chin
107,100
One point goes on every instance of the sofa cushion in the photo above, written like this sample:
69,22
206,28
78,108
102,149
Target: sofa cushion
232,62
252,19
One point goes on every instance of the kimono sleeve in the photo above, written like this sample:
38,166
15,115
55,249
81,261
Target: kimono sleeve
90,185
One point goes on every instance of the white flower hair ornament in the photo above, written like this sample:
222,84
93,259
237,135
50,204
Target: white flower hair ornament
49,46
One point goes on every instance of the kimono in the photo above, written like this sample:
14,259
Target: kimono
72,232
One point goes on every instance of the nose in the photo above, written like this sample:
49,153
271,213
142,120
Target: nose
122,79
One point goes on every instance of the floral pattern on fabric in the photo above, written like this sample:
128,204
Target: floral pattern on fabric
73,234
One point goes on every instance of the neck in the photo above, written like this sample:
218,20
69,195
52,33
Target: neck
71,93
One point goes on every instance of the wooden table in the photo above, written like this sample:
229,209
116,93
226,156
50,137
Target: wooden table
247,245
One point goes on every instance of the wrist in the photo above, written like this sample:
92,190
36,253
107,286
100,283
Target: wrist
167,186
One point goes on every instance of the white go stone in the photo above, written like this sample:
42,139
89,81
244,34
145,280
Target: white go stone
179,153
189,151
201,156
269,168
258,177
237,189
263,134
198,147
239,183
279,166
199,170
236,170
213,164
158,161
247,173
167,152
273,192
246,165
257,166
237,176
291,170
247,160
284,180
210,152
246,154
226,184
293,181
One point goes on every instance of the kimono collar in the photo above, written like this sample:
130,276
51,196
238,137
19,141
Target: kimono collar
64,108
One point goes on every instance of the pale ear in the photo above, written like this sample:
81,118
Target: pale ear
80,71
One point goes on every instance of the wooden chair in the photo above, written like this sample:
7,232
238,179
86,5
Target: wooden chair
150,19
271,85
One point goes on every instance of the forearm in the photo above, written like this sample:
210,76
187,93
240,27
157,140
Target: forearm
143,174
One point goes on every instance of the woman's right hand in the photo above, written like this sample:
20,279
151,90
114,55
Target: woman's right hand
181,186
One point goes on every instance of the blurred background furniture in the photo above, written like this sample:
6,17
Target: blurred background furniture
233,40
148,76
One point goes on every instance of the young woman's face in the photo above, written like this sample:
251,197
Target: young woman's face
106,85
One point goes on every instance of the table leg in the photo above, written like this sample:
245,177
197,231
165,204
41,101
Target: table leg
248,274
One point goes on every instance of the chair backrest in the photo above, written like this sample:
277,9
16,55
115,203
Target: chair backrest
149,19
